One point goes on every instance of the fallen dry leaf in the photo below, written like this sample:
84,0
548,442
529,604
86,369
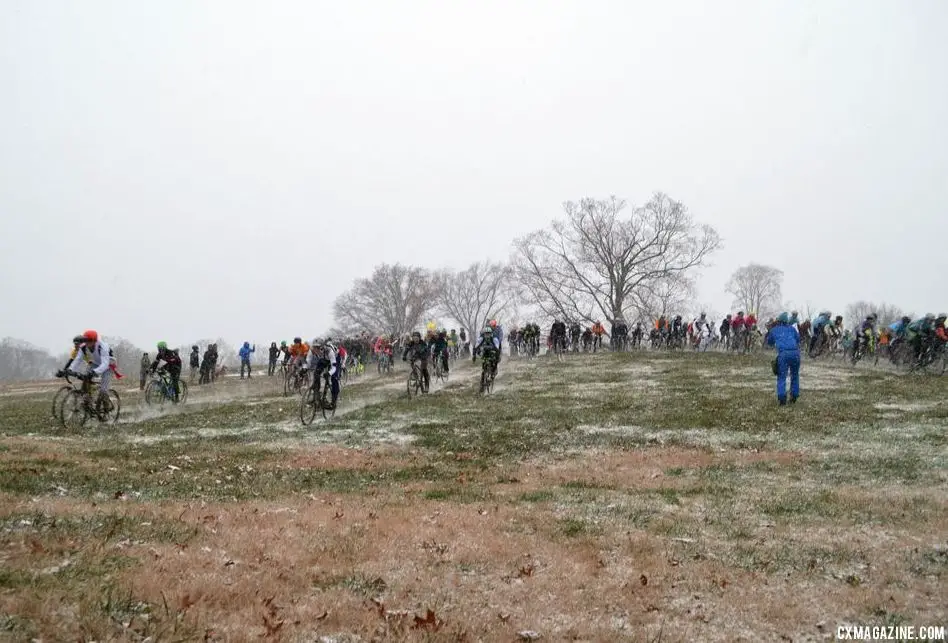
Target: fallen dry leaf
528,635
430,621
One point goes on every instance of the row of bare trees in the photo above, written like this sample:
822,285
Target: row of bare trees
396,299
603,259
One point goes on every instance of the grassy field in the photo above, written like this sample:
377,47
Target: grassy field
633,497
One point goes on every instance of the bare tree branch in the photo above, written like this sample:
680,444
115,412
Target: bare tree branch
756,288
393,300
885,313
596,264
475,295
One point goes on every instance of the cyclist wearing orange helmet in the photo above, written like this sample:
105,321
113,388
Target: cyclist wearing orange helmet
99,357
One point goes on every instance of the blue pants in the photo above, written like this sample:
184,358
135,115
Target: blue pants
788,361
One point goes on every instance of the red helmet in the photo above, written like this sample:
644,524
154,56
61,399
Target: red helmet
91,336
493,323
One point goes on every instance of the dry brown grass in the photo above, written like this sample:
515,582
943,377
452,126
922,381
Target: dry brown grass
598,542
371,565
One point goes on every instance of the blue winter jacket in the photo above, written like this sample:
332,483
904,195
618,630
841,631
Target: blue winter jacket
244,352
499,333
784,338
821,321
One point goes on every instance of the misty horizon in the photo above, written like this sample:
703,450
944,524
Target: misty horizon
183,171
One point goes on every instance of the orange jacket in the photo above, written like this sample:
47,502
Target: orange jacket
299,350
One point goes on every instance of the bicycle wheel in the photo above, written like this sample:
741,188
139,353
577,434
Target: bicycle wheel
111,415
289,384
75,412
308,407
414,382
154,394
58,398
325,402
182,391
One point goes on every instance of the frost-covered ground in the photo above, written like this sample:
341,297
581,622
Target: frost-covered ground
607,497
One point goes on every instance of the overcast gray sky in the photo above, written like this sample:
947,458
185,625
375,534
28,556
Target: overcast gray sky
179,169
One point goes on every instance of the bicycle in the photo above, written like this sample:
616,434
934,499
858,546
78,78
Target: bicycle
416,380
866,349
296,381
488,373
385,365
80,405
931,359
439,371
161,390
313,398
559,348
60,397
357,366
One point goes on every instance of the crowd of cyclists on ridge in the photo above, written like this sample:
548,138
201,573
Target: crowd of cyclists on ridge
905,342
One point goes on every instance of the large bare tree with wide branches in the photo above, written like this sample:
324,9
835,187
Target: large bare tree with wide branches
604,259
394,299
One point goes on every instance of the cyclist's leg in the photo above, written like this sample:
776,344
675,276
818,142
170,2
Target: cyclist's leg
334,387
175,374
103,395
424,371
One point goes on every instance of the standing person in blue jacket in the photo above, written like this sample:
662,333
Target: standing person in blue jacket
786,340
245,352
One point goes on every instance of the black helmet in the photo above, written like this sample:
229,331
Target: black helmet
906,320
297,340
195,347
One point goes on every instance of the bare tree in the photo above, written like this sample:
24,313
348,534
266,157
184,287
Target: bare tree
393,300
127,355
476,295
663,297
756,288
591,263
885,313
20,360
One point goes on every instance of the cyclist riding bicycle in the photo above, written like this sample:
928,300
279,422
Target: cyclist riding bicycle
489,347
941,332
865,335
94,358
320,359
418,349
598,330
820,325
299,351
531,337
558,335
920,332
78,347
172,365
575,332
440,349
